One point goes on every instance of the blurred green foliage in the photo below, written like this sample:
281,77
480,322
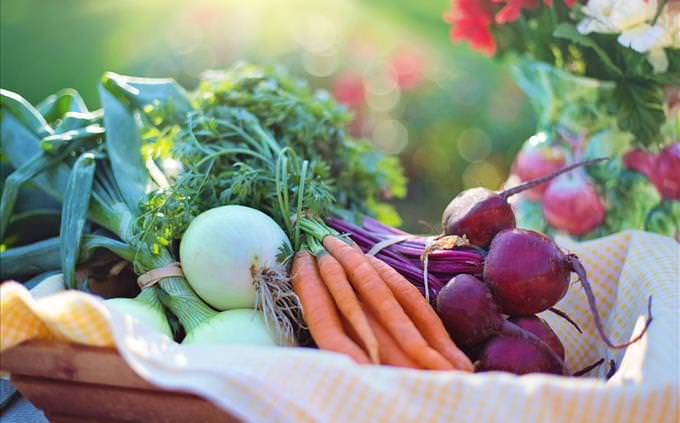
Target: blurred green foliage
456,119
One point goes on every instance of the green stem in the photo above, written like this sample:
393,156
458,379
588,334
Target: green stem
273,145
178,296
315,247
229,151
246,136
301,195
149,297
315,229
281,182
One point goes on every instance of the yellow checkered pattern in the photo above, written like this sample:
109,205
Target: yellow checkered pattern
70,316
302,385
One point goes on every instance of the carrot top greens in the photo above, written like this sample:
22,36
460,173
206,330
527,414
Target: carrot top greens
258,137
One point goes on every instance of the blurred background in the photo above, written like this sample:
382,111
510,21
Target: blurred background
454,117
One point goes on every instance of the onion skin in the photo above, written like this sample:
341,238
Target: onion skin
571,204
526,271
141,312
222,251
233,327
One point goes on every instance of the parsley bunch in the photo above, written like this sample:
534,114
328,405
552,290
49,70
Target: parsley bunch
258,137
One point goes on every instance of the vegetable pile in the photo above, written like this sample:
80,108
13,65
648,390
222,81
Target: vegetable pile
138,173
249,216
490,310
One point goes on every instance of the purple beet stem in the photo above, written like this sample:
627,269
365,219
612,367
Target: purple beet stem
405,256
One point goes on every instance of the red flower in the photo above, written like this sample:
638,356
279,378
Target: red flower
471,20
513,8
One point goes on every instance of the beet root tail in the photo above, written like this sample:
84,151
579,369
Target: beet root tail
577,267
587,369
543,179
566,317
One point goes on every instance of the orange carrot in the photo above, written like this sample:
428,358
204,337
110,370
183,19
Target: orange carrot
421,313
319,310
390,352
347,302
378,297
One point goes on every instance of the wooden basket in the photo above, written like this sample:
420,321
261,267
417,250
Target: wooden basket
74,383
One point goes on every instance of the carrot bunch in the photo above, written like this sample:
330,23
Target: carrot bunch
358,305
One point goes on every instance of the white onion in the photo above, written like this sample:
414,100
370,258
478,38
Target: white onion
144,313
223,250
229,256
243,326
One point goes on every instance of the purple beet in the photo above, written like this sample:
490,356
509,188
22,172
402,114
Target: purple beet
527,273
479,213
519,355
468,311
542,330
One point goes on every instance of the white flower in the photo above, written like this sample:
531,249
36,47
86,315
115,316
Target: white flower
632,19
643,37
614,16
668,26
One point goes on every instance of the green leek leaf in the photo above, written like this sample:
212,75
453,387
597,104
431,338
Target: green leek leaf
24,113
56,106
74,214
44,256
124,148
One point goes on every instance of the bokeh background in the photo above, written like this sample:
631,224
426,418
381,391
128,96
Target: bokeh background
455,118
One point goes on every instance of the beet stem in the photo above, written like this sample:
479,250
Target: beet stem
587,369
578,268
566,317
543,179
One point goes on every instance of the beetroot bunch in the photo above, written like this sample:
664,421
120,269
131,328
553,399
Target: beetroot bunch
524,273
488,279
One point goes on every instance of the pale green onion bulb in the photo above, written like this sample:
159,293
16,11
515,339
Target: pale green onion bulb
144,309
233,327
